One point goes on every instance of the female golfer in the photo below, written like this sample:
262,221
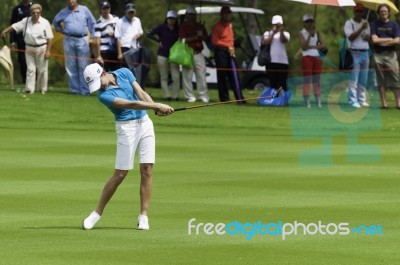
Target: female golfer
119,91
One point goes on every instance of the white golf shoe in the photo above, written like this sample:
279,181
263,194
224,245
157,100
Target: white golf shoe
91,220
143,222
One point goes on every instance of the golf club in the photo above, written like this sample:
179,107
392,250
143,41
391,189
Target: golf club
228,102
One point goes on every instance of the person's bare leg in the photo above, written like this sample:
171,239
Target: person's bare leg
146,181
110,188
382,94
318,100
396,92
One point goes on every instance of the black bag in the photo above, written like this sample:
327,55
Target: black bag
264,55
345,59
322,51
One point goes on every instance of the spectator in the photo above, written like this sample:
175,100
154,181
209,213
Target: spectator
37,38
104,38
311,63
279,66
385,35
194,34
222,38
21,11
168,33
75,21
127,31
357,32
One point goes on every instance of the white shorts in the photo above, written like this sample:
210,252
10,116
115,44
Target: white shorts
132,135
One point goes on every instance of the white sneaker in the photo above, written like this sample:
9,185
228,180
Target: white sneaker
191,100
91,220
205,99
356,105
143,222
364,104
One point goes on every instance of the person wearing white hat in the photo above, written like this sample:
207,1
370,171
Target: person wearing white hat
166,34
278,68
311,63
119,92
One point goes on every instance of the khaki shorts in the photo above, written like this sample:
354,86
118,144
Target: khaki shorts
131,136
387,69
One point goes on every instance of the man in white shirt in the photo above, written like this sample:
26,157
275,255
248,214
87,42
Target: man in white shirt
127,31
357,32
105,40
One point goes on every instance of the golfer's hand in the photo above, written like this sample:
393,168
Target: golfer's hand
163,110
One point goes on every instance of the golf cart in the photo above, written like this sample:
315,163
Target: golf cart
252,75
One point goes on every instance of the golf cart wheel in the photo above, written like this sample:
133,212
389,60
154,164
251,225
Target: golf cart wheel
259,83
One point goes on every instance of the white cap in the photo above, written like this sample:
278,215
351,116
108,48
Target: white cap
277,20
190,10
92,76
171,13
307,17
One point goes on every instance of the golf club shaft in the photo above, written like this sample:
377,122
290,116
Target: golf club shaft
227,102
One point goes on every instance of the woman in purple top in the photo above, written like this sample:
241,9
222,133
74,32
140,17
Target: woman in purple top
167,33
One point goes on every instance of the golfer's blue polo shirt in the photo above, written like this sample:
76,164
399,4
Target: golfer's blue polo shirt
124,90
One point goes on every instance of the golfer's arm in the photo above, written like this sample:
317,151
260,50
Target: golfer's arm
120,103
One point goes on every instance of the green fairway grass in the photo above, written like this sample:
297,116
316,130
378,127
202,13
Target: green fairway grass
217,164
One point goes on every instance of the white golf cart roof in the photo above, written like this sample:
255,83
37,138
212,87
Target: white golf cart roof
217,9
